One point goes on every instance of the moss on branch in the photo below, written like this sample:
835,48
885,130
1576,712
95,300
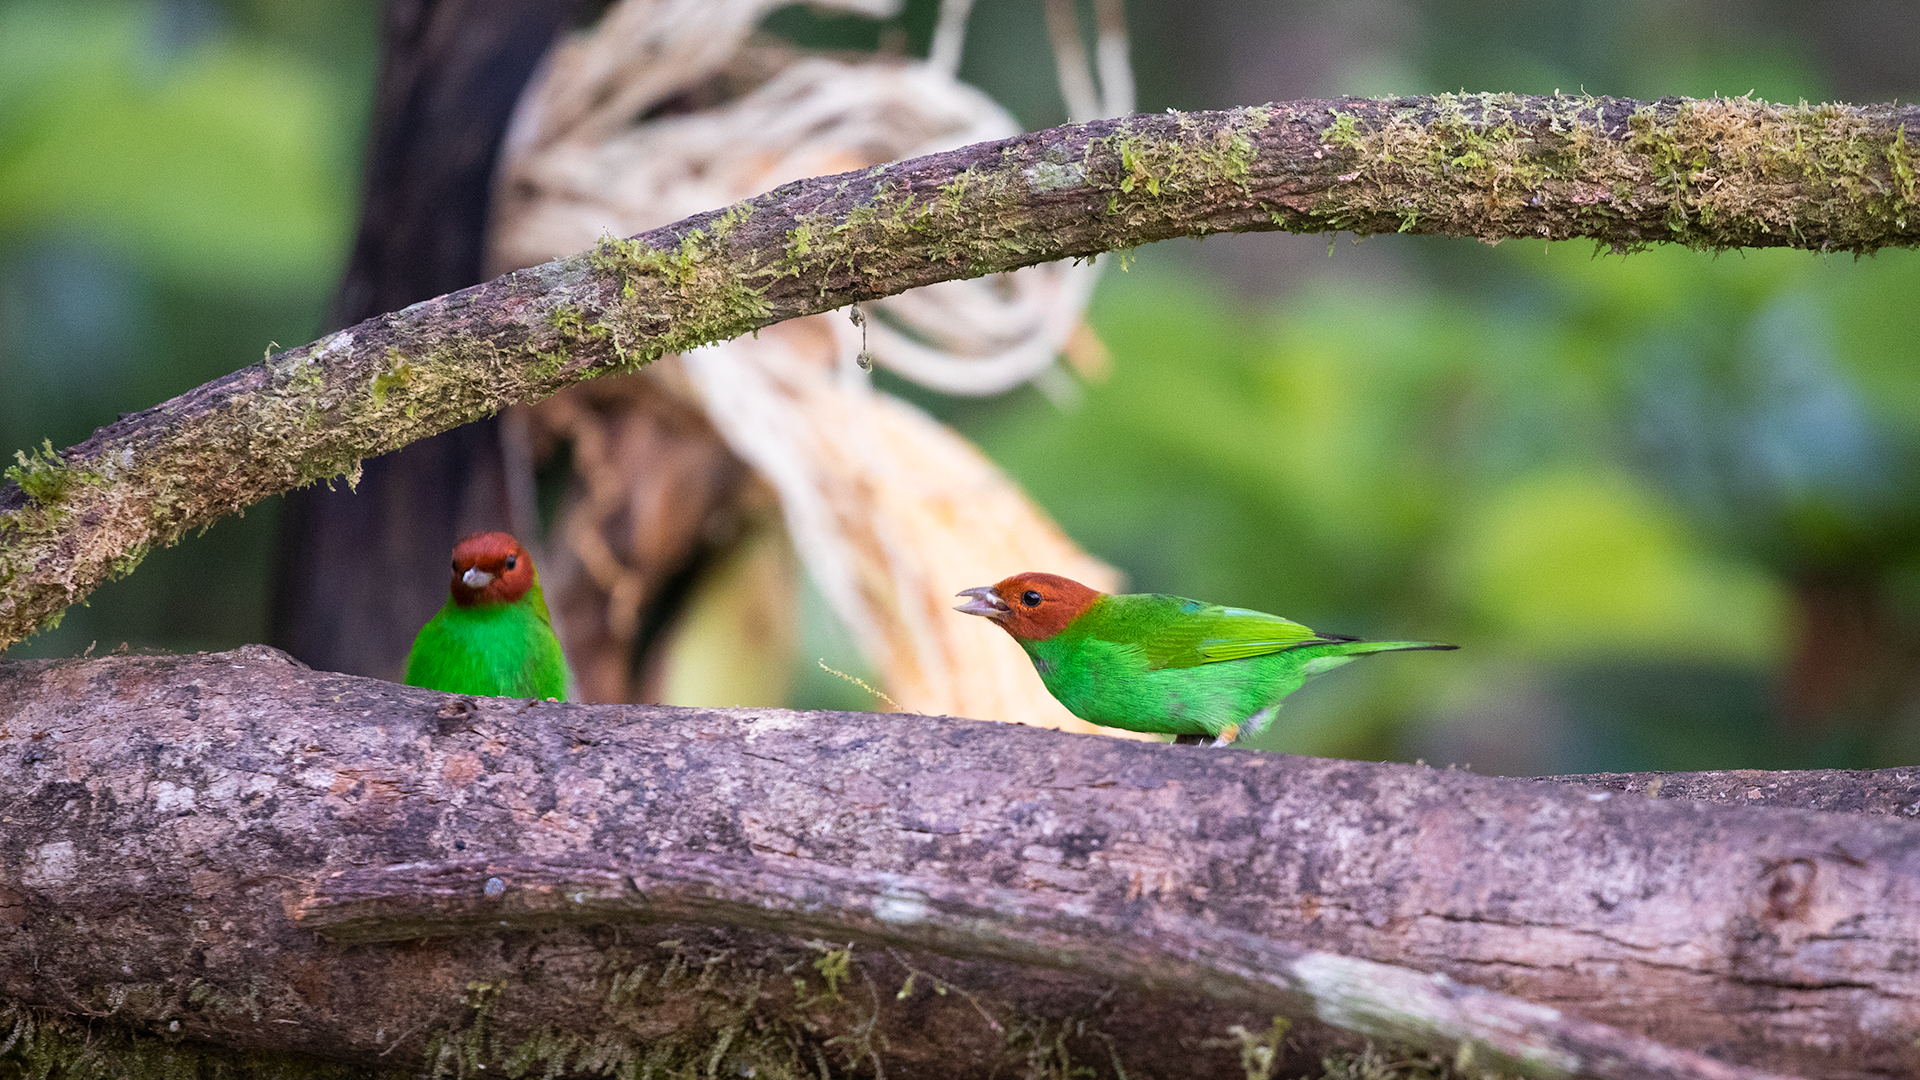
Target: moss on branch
1710,174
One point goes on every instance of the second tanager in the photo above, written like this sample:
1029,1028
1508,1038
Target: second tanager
1165,664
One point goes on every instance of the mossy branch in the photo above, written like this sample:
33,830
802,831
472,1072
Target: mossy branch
1711,174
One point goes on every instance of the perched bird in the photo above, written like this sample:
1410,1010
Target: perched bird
493,637
1165,664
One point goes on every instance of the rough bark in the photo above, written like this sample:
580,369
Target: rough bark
1719,173
523,884
1876,792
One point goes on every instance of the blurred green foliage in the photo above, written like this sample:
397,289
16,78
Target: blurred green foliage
210,161
1616,483
177,190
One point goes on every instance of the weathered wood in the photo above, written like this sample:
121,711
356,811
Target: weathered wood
1879,792
1719,173
1166,955
167,820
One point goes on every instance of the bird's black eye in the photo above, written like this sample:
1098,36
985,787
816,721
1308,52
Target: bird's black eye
1030,598
511,559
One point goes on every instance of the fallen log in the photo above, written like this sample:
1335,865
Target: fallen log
236,849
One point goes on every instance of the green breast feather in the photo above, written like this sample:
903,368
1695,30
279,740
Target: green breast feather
491,650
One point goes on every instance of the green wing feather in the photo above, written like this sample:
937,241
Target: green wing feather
1175,632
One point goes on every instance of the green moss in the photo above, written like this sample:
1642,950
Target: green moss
1152,167
576,331
38,1044
46,477
970,220
953,193
51,486
1260,1052
723,305
1715,173
890,211
724,1031
799,242
1389,1063
296,373
735,216
725,1027
833,966
398,376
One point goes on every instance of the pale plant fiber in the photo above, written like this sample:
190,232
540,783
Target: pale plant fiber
890,512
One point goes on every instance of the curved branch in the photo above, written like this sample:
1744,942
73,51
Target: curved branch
1146,949
1716,173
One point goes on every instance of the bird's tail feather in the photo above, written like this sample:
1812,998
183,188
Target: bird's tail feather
1332,654
1362,648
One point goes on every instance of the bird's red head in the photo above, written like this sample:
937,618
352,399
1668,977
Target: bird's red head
1030,606
490,568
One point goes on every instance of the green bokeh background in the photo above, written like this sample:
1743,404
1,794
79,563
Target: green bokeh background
1609,479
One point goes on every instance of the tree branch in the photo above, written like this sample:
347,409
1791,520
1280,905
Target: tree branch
510,881
1712,174
1148,950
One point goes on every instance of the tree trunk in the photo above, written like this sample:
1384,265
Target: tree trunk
234,848
358,570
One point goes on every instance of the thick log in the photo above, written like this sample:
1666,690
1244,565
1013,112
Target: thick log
174,831
1712,174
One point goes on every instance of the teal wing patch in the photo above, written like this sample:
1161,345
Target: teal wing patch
1188,633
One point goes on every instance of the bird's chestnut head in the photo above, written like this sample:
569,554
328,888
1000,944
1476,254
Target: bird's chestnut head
490,568
1030,606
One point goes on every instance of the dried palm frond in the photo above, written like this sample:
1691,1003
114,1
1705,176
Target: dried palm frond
670,107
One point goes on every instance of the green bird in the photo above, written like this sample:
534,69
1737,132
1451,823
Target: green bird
493,638
1165,664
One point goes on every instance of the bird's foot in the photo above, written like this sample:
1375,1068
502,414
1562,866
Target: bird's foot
1226,736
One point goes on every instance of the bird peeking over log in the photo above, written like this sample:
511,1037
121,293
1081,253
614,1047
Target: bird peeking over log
493,637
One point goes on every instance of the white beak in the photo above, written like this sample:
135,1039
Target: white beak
476,578
984,602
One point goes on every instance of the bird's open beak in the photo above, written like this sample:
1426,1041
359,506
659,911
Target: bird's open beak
476,578
984,601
